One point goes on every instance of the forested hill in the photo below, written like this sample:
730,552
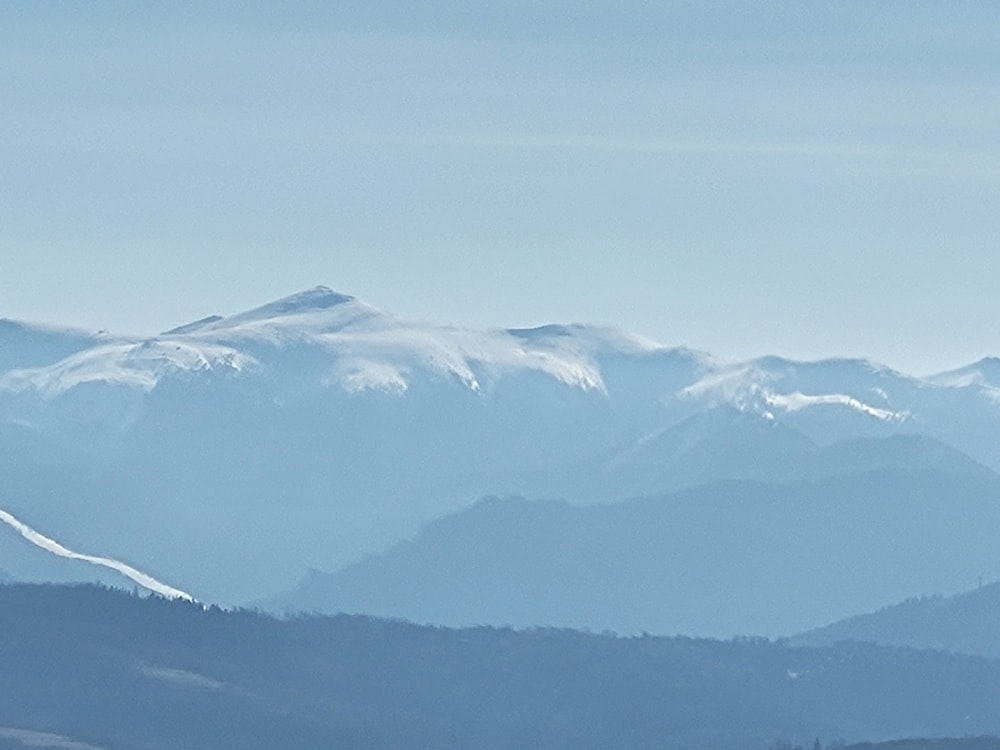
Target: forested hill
965,623
959,743
149,673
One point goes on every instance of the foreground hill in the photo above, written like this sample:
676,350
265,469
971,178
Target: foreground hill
965,623
733,557
939,743
113,671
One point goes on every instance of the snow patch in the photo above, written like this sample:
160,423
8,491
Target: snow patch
50,545
736,385
750,388
358,375
28,738
797,401
985,373
179,677
138,365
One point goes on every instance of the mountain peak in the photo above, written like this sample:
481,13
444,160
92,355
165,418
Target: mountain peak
985,372
991,362
317,298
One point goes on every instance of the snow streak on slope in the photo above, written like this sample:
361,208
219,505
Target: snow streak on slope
50,545
753,387
796,401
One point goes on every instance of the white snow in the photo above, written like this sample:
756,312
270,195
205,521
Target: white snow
138,365
796,401
730,384
359,374
357,348
364,348
984,374
179,677
28,738
50,545
749,386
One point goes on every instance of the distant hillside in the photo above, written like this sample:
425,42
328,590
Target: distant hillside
733,557
967,623
957,743
116,672
723,443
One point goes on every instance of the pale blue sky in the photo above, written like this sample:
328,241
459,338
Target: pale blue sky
806,179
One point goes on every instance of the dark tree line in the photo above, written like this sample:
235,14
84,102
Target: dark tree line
120,671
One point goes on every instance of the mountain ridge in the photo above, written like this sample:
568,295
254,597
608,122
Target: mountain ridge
324,430
963,622
736,556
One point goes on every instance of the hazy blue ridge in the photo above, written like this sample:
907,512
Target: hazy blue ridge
727,558
968,622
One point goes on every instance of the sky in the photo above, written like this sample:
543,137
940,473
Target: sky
804,179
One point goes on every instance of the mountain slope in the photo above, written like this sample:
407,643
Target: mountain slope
715,560
26,345
934,743
965,622
163,675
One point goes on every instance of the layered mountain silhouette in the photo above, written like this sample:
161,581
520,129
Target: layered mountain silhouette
721,559
232,454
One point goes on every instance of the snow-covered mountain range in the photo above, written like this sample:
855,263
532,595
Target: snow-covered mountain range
231,454
357,347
